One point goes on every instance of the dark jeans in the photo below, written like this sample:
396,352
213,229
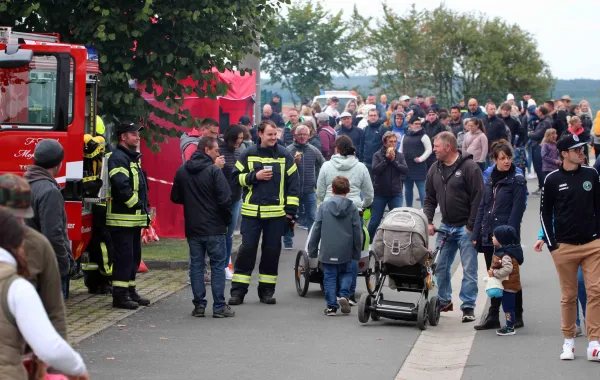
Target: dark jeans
378,208
215,247
508,305
488,252
536,153
334,274
581,294
65,281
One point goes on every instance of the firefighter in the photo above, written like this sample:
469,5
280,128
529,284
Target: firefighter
268,174
126,215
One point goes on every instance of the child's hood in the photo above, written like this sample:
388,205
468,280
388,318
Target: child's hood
340,207
512,250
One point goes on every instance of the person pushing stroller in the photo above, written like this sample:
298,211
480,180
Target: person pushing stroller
339,246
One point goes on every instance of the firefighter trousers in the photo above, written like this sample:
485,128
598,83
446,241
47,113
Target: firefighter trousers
127,257
272,230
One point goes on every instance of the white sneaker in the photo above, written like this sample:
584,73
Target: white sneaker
531,175
228,274
593,352
568,352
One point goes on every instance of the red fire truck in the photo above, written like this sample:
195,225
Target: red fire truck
48,90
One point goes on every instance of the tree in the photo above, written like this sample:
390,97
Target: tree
304,49
452,55
156,43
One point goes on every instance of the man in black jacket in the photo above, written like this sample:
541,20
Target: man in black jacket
494,126
570,215
455,183
513,125
536,138
201,187
269,114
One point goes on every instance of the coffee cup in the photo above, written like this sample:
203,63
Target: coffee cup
268,167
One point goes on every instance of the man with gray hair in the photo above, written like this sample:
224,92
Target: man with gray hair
309,161
49,216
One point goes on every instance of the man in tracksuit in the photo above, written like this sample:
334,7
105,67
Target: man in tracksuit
126,214
269,176
571,199
455,183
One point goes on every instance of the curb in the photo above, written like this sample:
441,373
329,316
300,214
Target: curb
168,265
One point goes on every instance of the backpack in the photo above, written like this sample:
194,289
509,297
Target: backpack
401,238
185,141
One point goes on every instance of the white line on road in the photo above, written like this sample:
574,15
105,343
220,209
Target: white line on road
441,352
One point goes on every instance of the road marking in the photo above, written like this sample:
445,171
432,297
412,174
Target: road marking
441,352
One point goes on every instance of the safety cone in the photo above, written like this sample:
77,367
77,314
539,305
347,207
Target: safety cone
142,268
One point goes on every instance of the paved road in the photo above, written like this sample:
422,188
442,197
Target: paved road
294,340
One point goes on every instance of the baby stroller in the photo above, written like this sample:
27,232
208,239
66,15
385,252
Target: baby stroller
402,254
307,270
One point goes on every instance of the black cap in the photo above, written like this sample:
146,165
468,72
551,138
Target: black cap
125,127
244,120
431,109
569,142
420,96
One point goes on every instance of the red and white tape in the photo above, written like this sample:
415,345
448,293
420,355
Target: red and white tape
160,181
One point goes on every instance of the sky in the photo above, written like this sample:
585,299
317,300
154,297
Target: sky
566,31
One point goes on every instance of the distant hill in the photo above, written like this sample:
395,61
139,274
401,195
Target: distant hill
577,89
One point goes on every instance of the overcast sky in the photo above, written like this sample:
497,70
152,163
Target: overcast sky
566,34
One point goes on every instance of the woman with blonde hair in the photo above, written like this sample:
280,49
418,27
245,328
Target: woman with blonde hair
306,113
576,128
352,108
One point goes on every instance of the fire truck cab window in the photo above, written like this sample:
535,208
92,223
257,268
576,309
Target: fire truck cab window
28,94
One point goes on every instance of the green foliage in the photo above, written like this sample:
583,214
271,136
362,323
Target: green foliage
156,43
452,55
305,47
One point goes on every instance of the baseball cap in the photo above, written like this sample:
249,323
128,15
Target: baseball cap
404,98
245,120
125,127
565,97
345,114
569,142
323,117
15,195
510,97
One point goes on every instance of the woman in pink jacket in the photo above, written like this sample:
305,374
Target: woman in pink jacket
475,141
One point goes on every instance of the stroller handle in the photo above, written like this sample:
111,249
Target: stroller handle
442,232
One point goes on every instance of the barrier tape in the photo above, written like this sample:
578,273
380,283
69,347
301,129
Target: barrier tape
159,181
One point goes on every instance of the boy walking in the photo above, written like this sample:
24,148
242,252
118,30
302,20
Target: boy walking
339,246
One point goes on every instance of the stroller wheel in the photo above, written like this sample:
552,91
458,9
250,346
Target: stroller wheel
422,311
302,273
372,274
434,311
364,310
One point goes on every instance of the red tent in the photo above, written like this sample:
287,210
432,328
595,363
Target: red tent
161,167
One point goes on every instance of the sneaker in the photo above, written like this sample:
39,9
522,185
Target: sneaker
352,300
228,274
344,304
568,352
288,247
227,312
532,175
468,315
198,312
593,352
330,311
505,331
578,331
445,307
537,192
207,276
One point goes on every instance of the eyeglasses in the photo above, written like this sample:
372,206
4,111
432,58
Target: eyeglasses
302,134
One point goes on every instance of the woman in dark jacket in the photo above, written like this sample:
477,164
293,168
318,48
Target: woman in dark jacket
229,148
503,203
416,148
389,168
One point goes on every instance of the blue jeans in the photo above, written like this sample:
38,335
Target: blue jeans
214,246
309,201
408,185
581,296
331,274
64,284
378,208
236,208
458,239
508,306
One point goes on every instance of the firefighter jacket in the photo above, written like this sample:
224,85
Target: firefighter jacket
127,205
267,199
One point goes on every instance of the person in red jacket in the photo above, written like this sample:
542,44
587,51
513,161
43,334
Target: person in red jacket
327,135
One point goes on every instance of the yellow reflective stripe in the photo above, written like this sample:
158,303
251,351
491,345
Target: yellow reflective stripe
249,195
267,279
292,169
118,170
272,214
293,201
282,183
242,179
107,268
89,266
131,283
133,200
239,166
271,208
120,284
90,178
249,206
136,178
249,213
241,278
266,160
120,223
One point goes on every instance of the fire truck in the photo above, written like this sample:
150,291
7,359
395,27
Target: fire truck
48,90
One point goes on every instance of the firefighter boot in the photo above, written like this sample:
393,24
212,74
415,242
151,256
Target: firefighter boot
124,302
236,299
135,297
267,296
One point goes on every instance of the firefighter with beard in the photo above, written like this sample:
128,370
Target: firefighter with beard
269,178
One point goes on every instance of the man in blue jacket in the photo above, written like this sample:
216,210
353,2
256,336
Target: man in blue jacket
371,142
474,111
355,133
